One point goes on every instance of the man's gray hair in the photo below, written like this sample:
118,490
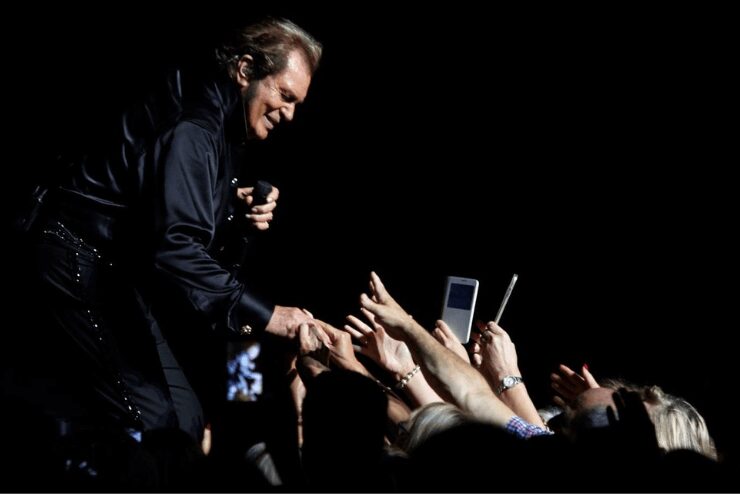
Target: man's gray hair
269,42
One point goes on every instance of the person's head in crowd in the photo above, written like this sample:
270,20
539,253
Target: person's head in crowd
678,425
587,411
429,420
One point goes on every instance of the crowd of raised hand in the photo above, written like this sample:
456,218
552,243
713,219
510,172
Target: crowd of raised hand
438,391
384,404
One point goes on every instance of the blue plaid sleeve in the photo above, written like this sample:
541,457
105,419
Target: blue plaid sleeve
524,430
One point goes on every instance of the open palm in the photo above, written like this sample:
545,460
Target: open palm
375,343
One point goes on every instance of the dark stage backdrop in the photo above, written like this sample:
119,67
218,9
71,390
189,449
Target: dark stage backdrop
586,151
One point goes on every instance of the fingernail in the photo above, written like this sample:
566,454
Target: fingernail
585,366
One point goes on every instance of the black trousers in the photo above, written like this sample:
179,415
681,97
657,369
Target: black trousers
104,342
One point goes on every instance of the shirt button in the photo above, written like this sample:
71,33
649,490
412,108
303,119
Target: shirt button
234,182
245,330
230,217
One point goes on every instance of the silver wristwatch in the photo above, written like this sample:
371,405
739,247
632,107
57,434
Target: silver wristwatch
508,382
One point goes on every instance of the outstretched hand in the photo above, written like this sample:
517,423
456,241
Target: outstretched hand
313,351
391,354
340,348
385,310
286,320
568,384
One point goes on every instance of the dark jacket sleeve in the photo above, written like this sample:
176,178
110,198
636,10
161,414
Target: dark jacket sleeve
184,196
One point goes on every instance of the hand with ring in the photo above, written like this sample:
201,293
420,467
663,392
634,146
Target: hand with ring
497,353
374,342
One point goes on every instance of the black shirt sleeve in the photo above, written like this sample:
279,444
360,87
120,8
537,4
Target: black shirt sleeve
184,202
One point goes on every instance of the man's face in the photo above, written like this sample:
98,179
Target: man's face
273,99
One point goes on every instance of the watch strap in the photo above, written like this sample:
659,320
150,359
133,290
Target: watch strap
503,386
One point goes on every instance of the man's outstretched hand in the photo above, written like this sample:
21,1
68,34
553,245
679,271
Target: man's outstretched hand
286,320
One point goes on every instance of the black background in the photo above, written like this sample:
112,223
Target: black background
585,150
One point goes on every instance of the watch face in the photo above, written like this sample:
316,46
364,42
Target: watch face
508,381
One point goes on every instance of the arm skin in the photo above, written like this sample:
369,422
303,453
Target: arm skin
392,355
448,374
499,359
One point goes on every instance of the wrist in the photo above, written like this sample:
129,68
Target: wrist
404,381
508,382
356,366
499,374
251,315
400,374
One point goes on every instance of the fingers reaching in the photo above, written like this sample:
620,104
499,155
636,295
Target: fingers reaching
568,384
366,303
445,330
360,325
359,331
449,339
370,317
377,287
590,379
353,332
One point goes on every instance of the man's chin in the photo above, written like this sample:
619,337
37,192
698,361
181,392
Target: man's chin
257,136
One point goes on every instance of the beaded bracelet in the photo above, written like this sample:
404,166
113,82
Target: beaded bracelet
404,381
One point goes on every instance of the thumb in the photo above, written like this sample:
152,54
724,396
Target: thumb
368,304
589,377
438,334
243,192
446,331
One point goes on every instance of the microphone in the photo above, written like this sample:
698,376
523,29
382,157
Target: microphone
259,194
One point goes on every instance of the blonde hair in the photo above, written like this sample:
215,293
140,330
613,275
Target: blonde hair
678,425
429,420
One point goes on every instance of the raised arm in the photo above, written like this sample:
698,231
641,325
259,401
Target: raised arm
393,355
568,384
342,355
447,373
499,361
